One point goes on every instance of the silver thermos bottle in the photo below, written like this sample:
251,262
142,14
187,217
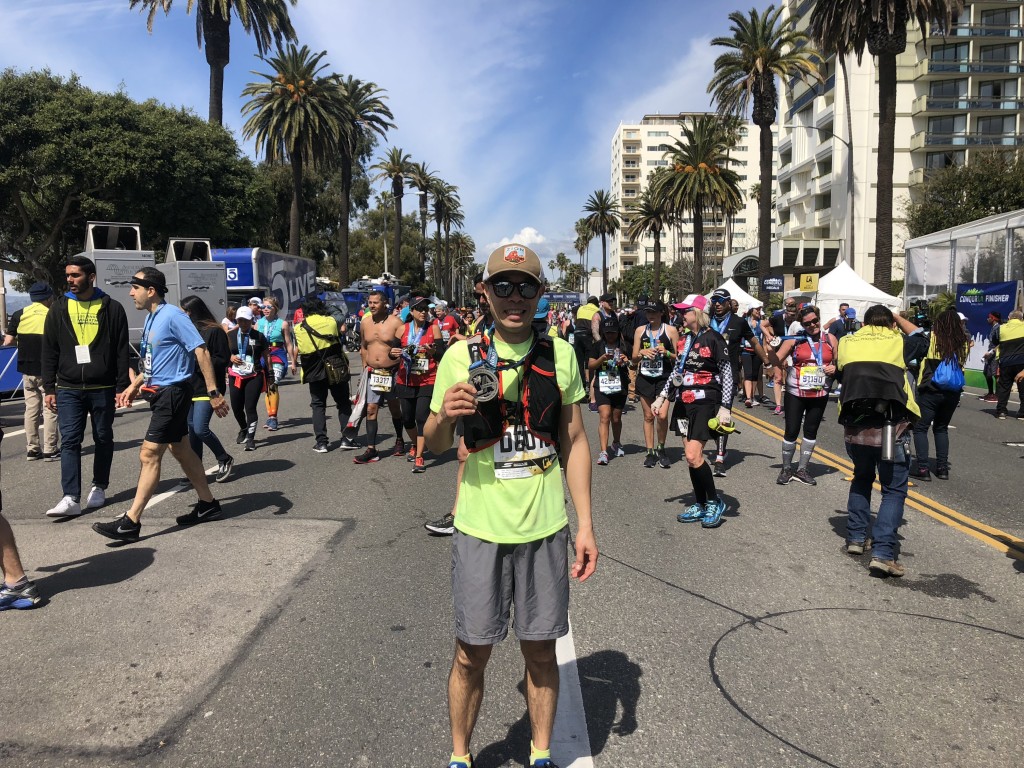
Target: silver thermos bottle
889,441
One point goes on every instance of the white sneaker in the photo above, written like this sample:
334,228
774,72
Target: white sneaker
96,498
66,507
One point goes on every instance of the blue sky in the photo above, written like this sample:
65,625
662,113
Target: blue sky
514,103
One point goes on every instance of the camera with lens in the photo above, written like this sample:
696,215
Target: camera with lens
919,314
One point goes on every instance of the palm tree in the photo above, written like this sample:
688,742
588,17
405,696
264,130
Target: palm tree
366,116
583,237
650,215
463,249
421,177
447,211
395,165
266,20
761,49
699,180
603,219
297,113
842,27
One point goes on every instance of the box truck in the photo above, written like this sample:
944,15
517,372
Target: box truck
190,272
261,272
116,250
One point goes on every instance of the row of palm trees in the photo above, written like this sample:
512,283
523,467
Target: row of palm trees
760,50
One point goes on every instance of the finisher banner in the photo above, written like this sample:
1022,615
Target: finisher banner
976,300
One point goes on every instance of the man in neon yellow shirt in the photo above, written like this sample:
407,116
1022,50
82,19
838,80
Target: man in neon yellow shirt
511,525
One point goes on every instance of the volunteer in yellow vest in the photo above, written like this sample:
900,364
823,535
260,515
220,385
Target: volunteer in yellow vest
85,364
318,340
26,330
875,404
1009,344
520,422
583,337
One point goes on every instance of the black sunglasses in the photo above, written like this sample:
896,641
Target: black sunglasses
791,306
527,288
809,323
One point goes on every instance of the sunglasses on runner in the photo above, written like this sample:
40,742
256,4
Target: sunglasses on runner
528,289
809,323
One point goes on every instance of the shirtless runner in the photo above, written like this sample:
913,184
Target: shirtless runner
380,355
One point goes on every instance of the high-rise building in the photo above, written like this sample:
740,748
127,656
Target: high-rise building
637,150
957,94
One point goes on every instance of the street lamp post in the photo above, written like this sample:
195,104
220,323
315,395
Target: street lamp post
849,182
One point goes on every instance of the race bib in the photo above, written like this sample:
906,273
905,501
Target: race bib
683,427
518,454
420,364
652,368
608,383
811,377
381,379
445,335
245,368
572,337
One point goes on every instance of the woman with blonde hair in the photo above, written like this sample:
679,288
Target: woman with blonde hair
278,332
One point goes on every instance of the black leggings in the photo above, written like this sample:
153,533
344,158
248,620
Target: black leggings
416,409
244,400
808,410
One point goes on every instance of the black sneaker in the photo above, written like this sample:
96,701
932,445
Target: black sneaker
651,460
121,529
347,444
399,449
368,456
320,448
803,476
663,459
250,444
785,475
443,527
33,456
243,434
224,470
55,456
201,512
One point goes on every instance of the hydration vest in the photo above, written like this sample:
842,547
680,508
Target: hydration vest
540,396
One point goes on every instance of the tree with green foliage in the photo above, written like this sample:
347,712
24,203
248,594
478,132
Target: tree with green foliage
374,227
421,177
266,20
297,114
761,48
603,218
395,166
650,214
69,155
845,27
463,249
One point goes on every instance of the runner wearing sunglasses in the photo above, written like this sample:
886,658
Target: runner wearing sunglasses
807,386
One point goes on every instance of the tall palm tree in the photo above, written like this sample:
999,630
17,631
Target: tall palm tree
366,116
650,215
446,203
842,27
297,113
583,237
463,249
394,166
603,218
761,49
421,177
266,20
699,180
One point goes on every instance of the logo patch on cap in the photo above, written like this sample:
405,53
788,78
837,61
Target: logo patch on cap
515,254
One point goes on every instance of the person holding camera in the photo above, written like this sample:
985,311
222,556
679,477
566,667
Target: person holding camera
419,346
250,373
324,366
876,409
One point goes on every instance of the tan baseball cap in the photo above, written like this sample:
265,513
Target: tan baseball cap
513,258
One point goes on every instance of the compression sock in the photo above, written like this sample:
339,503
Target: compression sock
371,433
273,398
538,754
698,488
788,450
399,429
806,449
722,441
707,480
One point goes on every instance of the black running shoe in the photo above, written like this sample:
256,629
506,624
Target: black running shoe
399,449
663,459
803,476
224,470
201,512
320,448
242,435
443,527
651,460
368,456
347,444
121,529
250,444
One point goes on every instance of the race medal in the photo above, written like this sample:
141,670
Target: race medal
381,379
482,376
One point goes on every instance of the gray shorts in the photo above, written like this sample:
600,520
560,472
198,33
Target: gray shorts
373,397
488,578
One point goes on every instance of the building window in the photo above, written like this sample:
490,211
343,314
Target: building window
952,52
656,133
658,148
657,162
996,126
950,89
631,134
1001,53
992,93
935,161
1002,18
947,125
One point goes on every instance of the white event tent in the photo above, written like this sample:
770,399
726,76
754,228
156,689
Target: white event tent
746,301
842,284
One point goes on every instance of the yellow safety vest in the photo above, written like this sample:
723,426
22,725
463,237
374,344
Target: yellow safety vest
873,368
325,325
33,318
1011,338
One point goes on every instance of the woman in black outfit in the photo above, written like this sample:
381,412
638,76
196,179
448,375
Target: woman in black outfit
250,374
199,415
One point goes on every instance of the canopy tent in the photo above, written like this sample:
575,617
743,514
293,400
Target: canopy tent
842,284
746,301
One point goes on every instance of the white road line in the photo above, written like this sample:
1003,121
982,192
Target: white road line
570,742
14,434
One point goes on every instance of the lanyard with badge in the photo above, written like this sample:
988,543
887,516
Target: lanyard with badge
82,354
146,350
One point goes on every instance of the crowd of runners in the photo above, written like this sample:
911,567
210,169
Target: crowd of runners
504,383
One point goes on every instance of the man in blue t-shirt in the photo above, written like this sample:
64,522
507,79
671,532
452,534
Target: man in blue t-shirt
169,340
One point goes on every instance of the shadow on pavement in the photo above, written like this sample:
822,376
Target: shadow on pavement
951,585
254,468
607,679
99,570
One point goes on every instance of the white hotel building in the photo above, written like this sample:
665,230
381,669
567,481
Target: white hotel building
638,149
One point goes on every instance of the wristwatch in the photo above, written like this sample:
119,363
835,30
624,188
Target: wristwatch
213,393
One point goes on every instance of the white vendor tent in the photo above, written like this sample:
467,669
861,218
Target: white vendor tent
842,284
746,301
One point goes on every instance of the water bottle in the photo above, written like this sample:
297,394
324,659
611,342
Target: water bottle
889,441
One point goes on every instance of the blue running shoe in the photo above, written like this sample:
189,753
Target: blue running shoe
691,514
461,764
544,762
19,598
713,514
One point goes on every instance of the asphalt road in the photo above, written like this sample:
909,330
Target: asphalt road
311,625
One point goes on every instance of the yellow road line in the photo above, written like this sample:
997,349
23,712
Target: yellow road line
1004,542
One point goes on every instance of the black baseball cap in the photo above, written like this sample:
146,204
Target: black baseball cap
609,325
